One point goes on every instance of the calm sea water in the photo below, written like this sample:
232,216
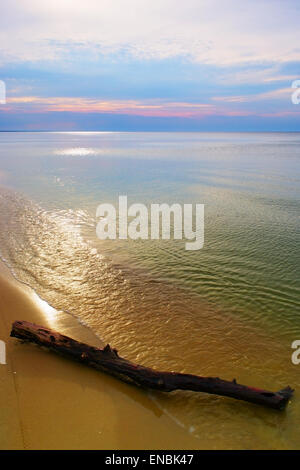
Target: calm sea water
230,309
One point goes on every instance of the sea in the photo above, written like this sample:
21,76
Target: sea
230,309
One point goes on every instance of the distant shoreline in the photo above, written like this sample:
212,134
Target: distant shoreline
148,131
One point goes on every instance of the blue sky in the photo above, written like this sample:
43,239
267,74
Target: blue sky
150,65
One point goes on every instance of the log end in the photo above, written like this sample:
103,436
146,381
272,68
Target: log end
286,394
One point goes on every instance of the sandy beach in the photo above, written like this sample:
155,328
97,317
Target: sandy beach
51,403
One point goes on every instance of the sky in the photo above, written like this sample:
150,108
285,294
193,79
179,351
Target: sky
141,65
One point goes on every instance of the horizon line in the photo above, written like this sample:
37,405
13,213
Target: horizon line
152,131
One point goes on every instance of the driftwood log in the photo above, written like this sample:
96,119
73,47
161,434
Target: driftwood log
107,360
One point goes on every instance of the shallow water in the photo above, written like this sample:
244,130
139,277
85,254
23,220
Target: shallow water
230,309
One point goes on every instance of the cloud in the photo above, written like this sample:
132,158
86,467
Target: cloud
36,104
205,31
282,78
256,74
202,60
279,94
150,108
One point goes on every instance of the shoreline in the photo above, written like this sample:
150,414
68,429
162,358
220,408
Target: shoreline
52,403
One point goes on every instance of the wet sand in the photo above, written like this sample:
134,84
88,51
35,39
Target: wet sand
48,402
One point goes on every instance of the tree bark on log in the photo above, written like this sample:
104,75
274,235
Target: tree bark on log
107,360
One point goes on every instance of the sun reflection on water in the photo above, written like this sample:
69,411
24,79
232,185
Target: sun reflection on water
76,152
51,313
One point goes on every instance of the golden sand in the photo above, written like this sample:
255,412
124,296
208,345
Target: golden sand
48,402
